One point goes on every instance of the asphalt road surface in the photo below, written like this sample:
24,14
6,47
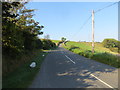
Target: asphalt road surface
64,69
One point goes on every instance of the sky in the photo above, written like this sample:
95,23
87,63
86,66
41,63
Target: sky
64,19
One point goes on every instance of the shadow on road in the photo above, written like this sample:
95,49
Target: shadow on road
58,71
80,73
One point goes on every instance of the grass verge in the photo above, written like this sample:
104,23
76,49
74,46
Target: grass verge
23,76
107,58
103,55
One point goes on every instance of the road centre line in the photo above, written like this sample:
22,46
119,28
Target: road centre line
70,59
92,75
102,81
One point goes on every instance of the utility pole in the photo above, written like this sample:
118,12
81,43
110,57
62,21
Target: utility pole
93,31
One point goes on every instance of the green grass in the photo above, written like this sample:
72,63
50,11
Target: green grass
55,41
107,58
102,54
23,76
87,46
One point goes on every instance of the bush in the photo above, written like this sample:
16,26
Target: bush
48,44
118,46
108,43
87,53
81,53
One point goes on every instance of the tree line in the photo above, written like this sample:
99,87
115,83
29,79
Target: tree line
20,35
20,30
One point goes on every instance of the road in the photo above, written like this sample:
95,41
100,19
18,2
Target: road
64,69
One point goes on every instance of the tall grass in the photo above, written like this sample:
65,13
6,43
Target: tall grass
107,58
9,64
23,76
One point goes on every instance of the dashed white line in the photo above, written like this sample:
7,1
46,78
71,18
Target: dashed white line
92,74
102,81
70,59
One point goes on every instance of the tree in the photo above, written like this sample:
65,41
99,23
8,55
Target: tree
109,43
12,42
47,44
63,39
19,29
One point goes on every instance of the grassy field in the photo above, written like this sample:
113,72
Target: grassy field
56,41
102,54
87,46
24,75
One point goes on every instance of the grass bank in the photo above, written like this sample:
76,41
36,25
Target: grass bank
23,76
102,54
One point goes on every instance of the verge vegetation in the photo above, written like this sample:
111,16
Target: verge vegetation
102,54
23,75
21,45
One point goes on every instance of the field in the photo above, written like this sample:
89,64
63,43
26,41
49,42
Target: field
102,54
87,46
55,41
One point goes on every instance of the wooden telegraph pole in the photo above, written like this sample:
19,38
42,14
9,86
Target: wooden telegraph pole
93,31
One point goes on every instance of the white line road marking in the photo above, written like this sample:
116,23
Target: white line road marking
70,59
92,74
101,81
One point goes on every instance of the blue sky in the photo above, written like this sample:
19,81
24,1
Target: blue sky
64,19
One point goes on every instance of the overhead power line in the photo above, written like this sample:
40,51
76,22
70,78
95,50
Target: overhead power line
83,25
91,16
105,7
86,22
